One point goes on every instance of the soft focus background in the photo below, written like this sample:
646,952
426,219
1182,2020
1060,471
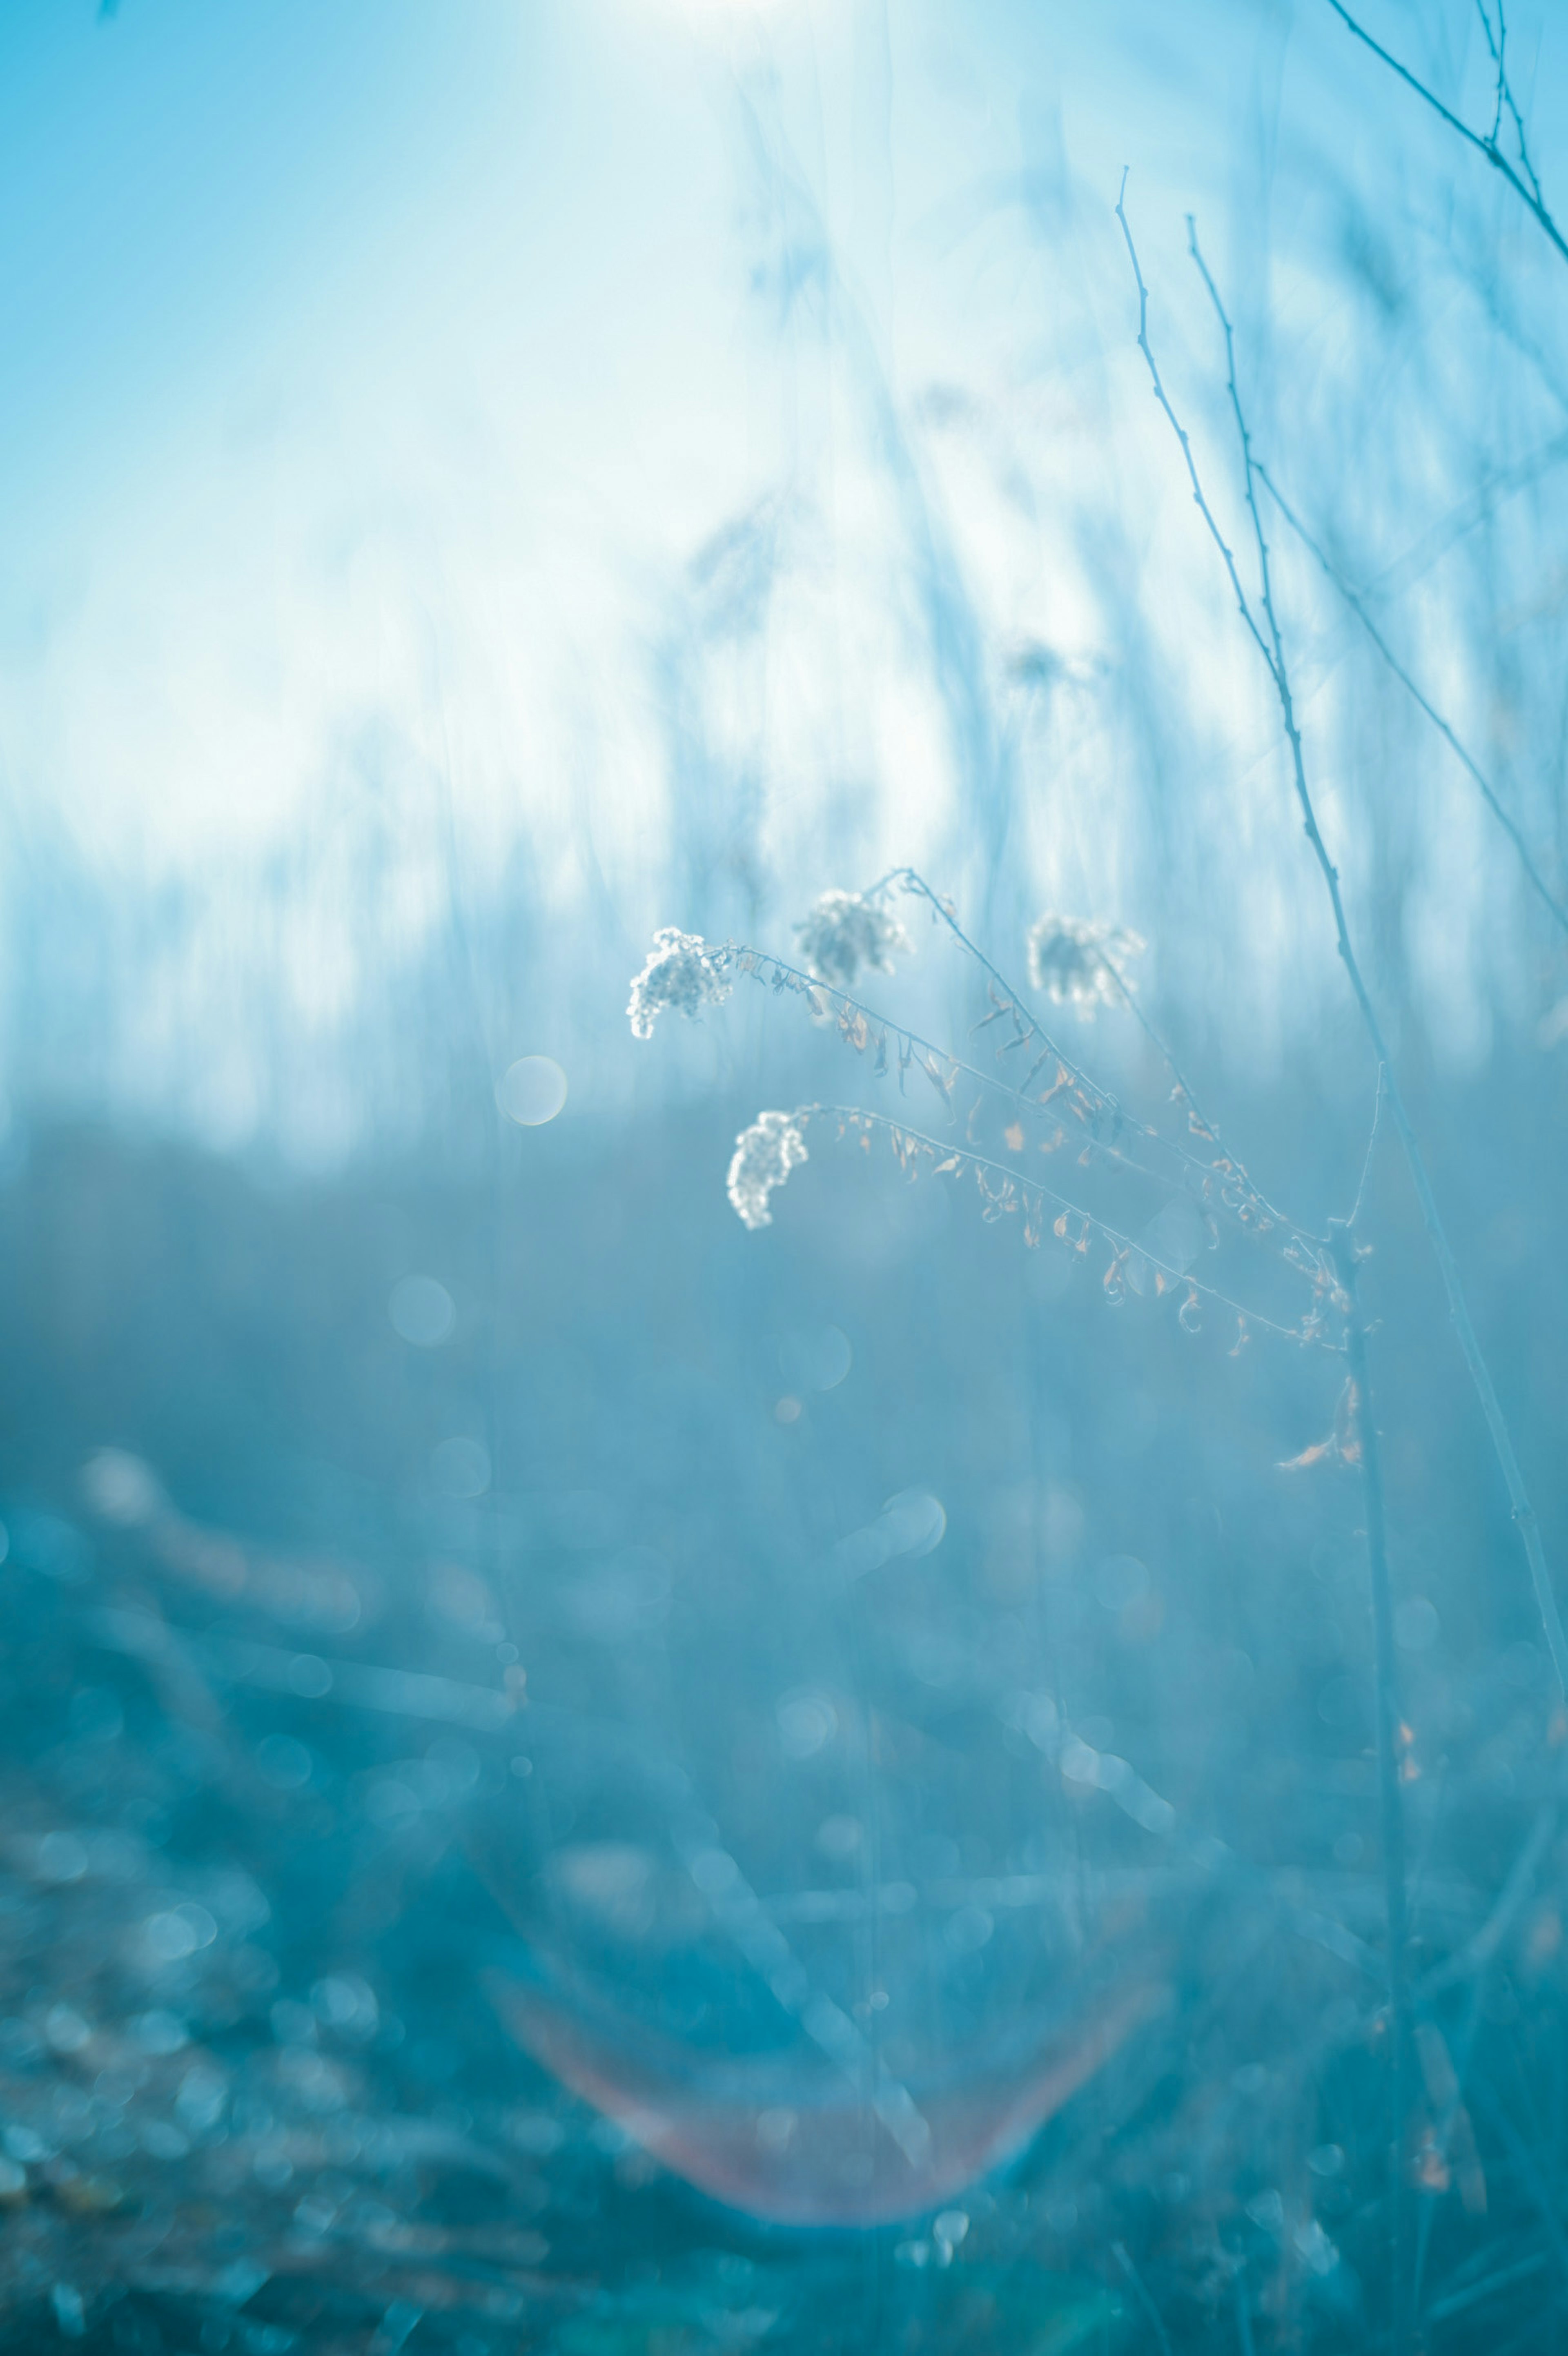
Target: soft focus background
577,1777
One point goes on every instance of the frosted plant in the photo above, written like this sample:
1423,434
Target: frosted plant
681,972
764,1156
1011,1121
846,930
1079,964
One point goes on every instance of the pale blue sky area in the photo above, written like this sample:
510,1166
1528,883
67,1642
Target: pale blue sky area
203,206
374,377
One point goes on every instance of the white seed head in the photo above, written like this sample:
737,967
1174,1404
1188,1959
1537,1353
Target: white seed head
844,932
681,972
764,1156
1080,964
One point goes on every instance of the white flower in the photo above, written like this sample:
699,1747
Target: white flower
681,972
764,1156
1079,964
844,932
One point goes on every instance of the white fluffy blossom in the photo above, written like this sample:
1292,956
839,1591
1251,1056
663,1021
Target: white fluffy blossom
844,932
1079,964
764,1156
681,972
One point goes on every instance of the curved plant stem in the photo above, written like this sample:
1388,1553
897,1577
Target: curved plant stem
1390,1806
1483,785
1271,648
1520,177
762,966
913,881
947,1155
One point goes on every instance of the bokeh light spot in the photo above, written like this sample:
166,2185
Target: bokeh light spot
120,1488
532,1091
283,1762
1416,1624
460,1468
423,1312
806,1721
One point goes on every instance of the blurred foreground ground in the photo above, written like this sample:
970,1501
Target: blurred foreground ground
368,1658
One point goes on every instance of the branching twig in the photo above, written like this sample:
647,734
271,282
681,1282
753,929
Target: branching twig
1389,1802
1371,1147
1095,1105
1156,2321
1474,1962
1272,648
1524,183
912,881
1498,44
1016,1188
1487,792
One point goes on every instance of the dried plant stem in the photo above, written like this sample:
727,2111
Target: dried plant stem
1521,177
1382,1090
1272,648
1093,1103
913,881
1152,2315
1244,2316
1390,1806
1483,785
1019,1189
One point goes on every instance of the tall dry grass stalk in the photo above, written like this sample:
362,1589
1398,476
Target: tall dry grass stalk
1259,612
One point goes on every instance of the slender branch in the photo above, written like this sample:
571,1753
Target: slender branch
1244,2316
1488,795
1527,190
1390,1806
1476,1953
1498,44
1473,1962
914,881
1166,1054
950,1156
1179,430
1094,1101
1273,651
1541,2193
1497,60
1155,2320
1371,1145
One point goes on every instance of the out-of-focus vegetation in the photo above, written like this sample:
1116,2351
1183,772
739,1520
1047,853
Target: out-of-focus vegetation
582,1776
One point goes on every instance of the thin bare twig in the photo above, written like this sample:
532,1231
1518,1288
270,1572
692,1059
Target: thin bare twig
1390,1806
1371,1146
1483,783
1524,185
1097,1103
913,881
1272,648
1528,2169
1478,1951
1498,44
948,1155
1155,2320
1473,1962
1244,2316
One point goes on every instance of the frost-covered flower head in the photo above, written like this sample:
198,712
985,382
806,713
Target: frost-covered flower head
844,931
1079,964
764,1156
681,972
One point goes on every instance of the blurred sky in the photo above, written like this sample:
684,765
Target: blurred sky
375,376
315,317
